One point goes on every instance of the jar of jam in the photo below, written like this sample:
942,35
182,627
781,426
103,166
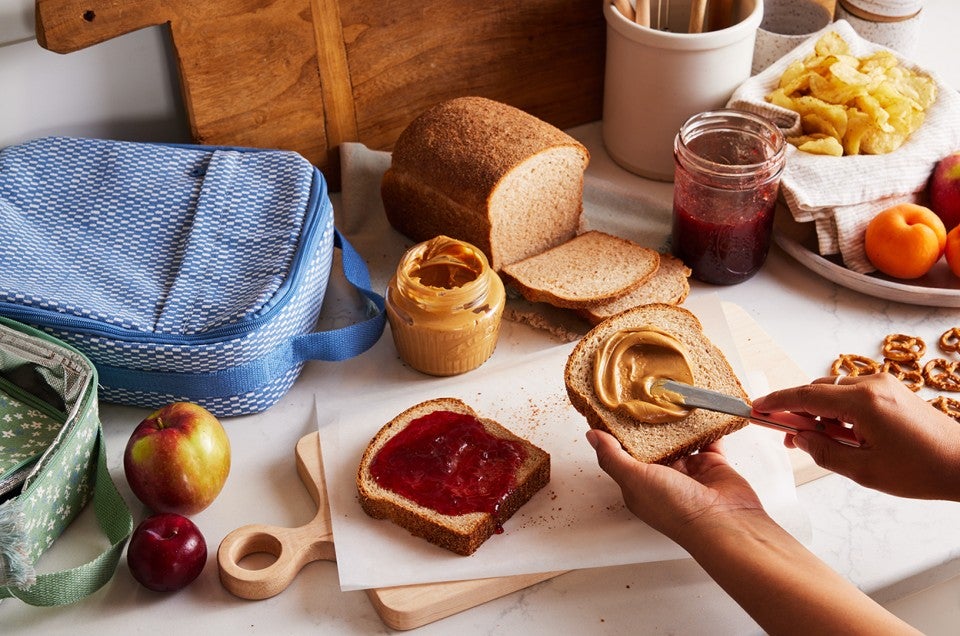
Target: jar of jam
444,305
727,177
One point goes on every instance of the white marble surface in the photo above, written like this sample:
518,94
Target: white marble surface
888,546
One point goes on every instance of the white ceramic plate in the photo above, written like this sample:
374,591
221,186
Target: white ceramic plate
939,288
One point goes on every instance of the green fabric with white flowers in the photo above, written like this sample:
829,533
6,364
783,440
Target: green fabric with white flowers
49,389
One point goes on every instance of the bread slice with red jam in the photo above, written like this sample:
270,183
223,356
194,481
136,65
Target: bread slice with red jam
445,474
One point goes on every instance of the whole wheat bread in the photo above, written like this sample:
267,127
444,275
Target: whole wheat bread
592,268
656,443
670,284
489,174
464,533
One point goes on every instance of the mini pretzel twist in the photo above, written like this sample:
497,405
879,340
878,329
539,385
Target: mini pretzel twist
907,371
902,348
947,405
852,364
942,374
950,340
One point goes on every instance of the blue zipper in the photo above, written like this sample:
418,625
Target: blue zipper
87,326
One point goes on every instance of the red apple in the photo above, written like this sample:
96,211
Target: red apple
166,552
944,190
177,459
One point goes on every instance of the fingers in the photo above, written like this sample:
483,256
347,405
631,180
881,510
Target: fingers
826,397
613,460
828,454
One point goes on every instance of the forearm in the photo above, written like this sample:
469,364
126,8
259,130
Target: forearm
781,584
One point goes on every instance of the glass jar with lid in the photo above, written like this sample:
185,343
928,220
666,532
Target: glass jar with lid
728,165
444,305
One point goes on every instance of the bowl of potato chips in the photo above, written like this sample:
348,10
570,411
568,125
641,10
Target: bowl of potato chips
866,127
851,105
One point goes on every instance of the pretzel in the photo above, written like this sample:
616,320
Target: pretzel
902,348
950,340
852,364
942,374
947,405
907,371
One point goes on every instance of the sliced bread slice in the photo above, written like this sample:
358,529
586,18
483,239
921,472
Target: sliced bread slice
656,443
591,268
461,533
670,284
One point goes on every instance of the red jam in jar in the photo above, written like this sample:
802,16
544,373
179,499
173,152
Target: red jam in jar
728,167
448,462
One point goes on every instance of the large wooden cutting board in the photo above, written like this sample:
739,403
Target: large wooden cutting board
412,606
308,75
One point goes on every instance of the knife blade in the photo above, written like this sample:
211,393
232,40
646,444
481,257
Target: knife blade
697,397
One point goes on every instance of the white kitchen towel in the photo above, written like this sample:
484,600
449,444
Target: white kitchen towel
841,194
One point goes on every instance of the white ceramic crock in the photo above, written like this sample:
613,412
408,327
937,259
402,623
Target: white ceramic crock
655,80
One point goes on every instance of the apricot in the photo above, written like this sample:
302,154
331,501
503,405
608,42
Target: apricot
952,250
905,241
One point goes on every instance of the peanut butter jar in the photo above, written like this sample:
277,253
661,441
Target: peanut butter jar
444,305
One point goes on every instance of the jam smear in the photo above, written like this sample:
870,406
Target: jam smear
448,462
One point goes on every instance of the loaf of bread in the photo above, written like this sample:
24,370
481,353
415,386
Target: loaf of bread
595,267
656,443
670,284
510,473
489,174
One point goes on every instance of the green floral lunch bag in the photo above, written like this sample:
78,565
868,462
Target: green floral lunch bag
52,463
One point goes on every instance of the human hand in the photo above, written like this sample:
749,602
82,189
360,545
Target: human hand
908,448
678,499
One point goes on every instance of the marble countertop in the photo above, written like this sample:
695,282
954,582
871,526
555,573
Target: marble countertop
887,546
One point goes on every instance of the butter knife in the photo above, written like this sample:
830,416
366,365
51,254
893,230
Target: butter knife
691,396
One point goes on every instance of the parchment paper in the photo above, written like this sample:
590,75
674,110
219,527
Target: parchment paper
577,521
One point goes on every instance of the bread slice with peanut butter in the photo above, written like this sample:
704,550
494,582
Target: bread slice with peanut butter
646,441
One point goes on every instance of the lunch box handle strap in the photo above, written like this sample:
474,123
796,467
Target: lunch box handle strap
352,340
71,585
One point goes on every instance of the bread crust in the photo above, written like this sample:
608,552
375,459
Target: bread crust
461,534
656,443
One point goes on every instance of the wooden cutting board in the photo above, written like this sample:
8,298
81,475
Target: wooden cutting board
412,606
308,75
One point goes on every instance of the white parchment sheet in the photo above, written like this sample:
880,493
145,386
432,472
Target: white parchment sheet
577,521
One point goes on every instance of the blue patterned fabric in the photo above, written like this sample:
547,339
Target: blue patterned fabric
168,259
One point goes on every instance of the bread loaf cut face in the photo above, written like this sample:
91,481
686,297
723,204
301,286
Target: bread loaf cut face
489,174
670,285
459,533
595,267
656,443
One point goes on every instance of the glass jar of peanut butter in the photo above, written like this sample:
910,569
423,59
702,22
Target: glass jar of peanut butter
444,305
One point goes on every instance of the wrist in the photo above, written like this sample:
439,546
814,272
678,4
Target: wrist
707,534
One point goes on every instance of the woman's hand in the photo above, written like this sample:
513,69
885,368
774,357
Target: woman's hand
908,448
678,499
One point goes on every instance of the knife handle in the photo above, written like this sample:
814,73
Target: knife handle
835,429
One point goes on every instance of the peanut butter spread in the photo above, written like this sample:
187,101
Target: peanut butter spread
629,363
444,306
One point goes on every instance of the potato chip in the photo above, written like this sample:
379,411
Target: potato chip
850,105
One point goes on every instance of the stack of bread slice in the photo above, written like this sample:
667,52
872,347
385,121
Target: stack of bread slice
599,275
